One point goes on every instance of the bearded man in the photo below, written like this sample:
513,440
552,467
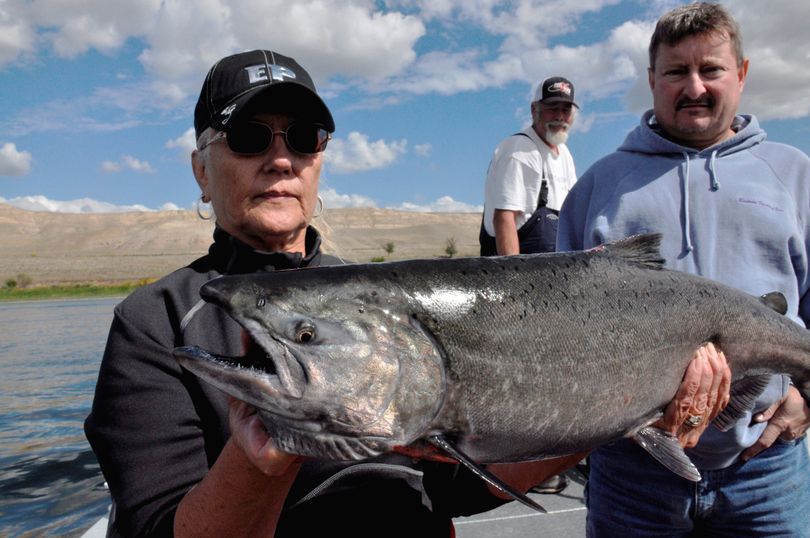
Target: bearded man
529,176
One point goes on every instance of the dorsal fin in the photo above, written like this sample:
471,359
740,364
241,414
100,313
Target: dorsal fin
445,445
776,301
642,249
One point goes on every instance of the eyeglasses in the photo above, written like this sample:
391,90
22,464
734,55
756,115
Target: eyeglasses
253,138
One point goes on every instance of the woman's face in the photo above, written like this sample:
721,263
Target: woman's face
264,200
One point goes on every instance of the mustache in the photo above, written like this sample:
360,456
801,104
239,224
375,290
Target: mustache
559,124
703,100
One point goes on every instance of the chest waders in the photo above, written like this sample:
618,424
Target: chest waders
538,233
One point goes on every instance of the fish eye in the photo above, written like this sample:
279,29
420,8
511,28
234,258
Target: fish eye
305,334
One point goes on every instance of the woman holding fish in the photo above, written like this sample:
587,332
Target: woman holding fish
182,458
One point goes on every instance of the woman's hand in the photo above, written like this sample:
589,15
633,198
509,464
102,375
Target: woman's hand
703,394
248,433
245,490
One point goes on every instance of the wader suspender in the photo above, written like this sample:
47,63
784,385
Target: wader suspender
542,198
487,241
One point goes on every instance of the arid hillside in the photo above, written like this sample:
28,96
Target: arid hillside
58,247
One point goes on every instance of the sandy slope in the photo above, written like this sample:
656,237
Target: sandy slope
58,247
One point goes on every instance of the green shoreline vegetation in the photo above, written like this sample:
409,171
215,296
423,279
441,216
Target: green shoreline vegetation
69,291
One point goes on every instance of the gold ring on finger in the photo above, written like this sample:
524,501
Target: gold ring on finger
693,420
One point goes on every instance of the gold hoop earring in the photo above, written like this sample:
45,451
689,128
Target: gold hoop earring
318,208
201,201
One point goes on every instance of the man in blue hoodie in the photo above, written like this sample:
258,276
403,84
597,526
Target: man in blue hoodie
734,208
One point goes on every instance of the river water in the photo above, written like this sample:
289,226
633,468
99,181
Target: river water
50,482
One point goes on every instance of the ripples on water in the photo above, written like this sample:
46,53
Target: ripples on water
50,482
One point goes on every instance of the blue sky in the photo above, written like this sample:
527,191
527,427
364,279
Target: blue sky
99,95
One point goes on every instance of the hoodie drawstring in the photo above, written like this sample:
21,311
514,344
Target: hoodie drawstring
715,183
685,202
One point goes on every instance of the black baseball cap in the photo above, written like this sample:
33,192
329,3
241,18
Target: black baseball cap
555,90
254,80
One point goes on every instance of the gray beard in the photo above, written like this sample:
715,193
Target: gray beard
556,138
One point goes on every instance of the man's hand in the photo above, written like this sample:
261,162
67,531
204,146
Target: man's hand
703,394
787,419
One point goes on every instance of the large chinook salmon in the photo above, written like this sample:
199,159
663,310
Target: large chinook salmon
501,359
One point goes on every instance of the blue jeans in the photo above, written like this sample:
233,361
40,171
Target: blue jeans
630,494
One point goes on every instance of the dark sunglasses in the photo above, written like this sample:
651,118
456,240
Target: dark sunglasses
253,138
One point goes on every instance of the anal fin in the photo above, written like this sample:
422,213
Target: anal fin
668,451
442,443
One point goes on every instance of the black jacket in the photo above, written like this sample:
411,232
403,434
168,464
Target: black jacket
156,430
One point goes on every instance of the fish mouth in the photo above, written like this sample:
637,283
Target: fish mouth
267,375
275,358
267,360
253,378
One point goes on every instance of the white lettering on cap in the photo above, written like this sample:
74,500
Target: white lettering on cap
560,87
258,73
226,114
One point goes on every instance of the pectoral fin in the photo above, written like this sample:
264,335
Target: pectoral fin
744,394
456,454
668,451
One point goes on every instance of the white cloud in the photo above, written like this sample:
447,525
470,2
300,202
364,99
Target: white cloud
445,204
779,71
616,66
448,73
332,200
526,28
525,23
184,144
345,38
73,28
379,49
109,167
350,38
17,35
358,154
184,43
127,162
14,162
583,122
137,165
423,150
775,41
81,205
93,113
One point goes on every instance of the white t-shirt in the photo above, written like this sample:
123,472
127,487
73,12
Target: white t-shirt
516,172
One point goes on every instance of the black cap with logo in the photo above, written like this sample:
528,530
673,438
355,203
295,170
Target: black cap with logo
235,83
555,90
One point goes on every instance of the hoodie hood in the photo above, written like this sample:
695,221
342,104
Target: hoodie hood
647,138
